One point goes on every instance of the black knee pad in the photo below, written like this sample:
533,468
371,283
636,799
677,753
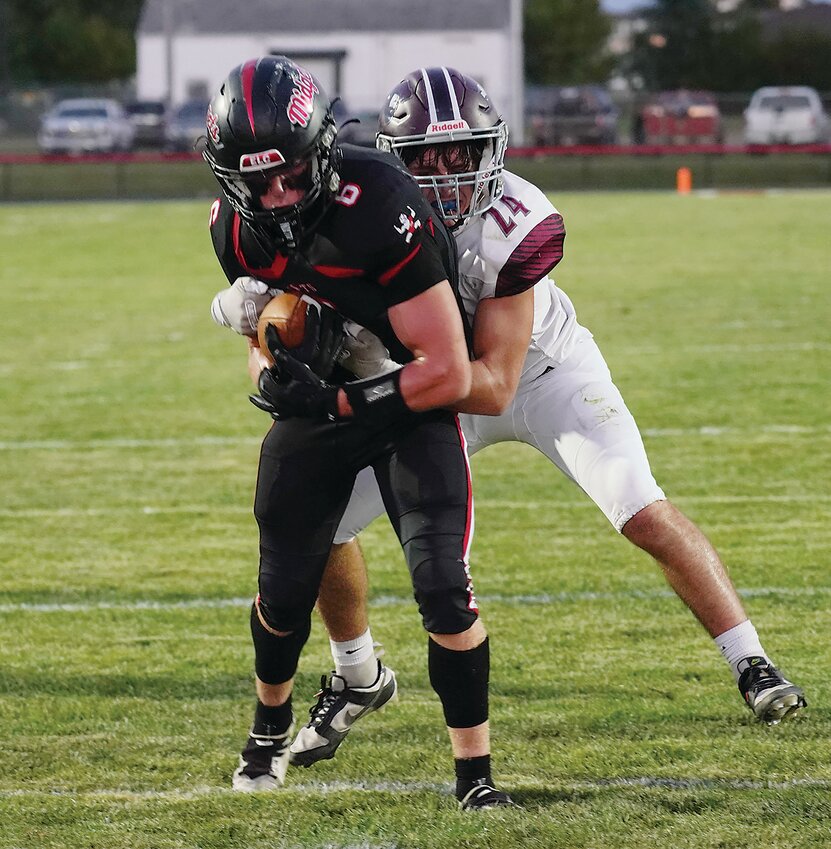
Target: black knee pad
275,658
460,679
445,610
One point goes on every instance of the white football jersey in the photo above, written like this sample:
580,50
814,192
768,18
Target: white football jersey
510,248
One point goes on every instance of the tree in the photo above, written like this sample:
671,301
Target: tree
565,42
71,40
689,44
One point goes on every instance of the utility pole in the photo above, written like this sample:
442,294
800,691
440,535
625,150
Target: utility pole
168,27
5,26
516,107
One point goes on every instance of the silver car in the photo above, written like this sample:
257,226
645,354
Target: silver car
86,125
786,115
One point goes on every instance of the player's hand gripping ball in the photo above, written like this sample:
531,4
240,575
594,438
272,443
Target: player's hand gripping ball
287,313
311,332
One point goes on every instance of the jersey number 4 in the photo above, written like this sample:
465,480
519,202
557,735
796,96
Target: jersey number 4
506,223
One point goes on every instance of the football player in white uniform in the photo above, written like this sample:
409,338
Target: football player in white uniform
538,378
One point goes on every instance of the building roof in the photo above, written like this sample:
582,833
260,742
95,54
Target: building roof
814,18
304,16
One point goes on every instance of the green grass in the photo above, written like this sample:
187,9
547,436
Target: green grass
128,453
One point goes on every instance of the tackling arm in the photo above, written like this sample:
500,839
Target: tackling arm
429,325
501,333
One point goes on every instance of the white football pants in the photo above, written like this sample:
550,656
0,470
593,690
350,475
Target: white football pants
573,414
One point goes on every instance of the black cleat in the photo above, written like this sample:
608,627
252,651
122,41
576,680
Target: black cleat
768,693
263,763
482,796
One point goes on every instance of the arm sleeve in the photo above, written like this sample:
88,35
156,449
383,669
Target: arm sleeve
533,258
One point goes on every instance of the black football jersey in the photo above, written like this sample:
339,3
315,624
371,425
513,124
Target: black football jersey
379,244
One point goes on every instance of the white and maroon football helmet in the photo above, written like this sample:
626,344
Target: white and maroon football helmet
441,106
269,116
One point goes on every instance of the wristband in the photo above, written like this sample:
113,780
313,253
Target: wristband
377,400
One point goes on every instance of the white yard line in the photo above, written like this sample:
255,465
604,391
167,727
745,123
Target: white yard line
481,503
210,441
394,601
326,788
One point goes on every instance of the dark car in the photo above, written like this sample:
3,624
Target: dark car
679,117
148,120
185,125
569,115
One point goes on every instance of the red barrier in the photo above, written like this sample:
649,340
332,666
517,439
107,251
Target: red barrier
518,152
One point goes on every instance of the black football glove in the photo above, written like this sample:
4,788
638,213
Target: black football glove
323,339
290,389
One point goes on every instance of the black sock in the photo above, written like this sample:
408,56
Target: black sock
472,771
271,721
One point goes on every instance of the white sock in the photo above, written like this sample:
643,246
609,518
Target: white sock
738,643
355,660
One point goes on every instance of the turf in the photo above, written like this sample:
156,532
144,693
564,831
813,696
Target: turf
128,453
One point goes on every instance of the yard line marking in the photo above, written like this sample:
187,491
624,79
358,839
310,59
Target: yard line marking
176,442
394,600
727,348
482,504
521,782
119,442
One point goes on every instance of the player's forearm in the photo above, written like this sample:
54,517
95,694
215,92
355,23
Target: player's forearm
427,383
491,391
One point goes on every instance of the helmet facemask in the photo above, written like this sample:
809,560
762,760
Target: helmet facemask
283,227
477,172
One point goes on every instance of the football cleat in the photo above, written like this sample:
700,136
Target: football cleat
263,763
768,693
338,708
483,796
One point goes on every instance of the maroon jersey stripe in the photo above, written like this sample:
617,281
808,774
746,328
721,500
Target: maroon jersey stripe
533,257
247,87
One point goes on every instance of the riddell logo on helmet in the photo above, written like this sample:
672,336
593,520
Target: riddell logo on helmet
301,103
447,126
258,161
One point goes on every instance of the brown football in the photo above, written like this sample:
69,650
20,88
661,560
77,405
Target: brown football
287,312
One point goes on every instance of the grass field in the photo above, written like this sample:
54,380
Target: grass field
128,453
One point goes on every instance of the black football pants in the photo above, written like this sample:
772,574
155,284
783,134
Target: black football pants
306,473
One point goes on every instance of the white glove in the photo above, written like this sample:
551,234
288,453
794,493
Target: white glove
365,354
239,306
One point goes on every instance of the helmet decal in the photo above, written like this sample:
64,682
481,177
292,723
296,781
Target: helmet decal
247,75
259,161
301,105
212,124
446,126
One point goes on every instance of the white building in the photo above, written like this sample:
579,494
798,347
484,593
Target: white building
358,49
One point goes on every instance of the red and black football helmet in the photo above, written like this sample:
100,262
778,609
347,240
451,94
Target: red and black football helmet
269,116
434,106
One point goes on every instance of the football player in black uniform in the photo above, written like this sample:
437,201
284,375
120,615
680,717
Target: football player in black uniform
347,227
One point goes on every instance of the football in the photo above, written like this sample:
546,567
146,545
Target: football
287,312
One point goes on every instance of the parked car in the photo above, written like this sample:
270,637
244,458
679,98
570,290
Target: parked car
679,117
569,115
148,120
786,115
86,125
185,125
